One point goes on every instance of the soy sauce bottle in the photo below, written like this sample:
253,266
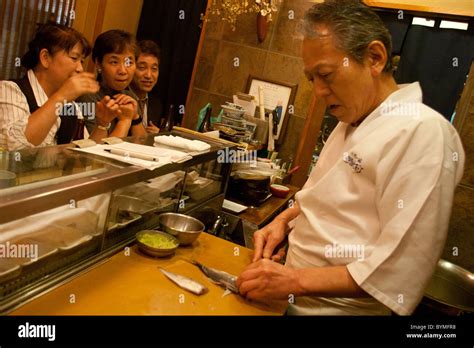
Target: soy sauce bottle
168,122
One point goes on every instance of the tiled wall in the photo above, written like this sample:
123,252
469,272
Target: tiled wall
277,58
461,229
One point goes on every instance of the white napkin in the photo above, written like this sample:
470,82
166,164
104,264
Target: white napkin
164,155
58,220
174,141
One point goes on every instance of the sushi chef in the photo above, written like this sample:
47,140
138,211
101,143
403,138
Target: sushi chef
370,224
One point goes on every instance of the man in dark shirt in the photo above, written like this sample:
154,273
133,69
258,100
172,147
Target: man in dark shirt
146,76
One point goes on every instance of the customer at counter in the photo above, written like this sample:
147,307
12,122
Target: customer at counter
30,107
370,224
146,77
114,54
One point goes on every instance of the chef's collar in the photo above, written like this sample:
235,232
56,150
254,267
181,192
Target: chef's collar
356,124
407,93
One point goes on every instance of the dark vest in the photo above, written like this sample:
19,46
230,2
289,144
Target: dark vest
68,123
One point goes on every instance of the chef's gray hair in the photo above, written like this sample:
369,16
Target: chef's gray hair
354,26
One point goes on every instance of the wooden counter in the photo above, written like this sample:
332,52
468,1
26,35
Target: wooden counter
262,215
133,285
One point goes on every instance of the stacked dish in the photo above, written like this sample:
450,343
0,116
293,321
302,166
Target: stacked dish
233,118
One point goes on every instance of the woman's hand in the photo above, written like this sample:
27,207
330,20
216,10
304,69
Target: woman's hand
107,109
128,107
77,85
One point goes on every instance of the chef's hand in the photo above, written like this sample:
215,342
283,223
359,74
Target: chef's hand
266,280
268,238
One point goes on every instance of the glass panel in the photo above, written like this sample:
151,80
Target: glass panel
136,207
20,168
203,182
33,247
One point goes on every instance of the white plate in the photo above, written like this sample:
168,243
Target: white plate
233,207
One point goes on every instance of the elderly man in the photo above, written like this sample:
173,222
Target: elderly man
370,224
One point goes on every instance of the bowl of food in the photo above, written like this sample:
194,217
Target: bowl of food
279,191
186,228
156,243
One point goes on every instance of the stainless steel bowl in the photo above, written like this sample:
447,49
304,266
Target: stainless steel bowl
157,252
451,289
186,228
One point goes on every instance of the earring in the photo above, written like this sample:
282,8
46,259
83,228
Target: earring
99,71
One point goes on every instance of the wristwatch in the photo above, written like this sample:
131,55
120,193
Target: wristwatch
104,128
137,121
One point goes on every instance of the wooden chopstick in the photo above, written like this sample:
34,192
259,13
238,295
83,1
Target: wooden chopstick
201,135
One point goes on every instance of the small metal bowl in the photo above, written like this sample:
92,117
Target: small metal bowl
157,252
186,228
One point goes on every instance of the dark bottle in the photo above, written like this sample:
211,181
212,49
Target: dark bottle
206,123
79,131
168,122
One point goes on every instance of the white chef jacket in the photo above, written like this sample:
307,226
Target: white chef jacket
384,188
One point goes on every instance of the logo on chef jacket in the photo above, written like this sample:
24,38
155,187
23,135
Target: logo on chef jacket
354,161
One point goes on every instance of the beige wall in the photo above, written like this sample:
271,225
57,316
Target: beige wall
122,14
117,14
86,14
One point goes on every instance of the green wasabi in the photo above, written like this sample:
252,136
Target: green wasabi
156,241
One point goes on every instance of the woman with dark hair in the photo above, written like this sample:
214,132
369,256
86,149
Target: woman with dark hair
30,107
114,54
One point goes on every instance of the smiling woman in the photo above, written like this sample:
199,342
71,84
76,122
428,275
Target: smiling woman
55,78
114,54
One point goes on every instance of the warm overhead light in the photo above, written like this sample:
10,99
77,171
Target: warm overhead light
229,10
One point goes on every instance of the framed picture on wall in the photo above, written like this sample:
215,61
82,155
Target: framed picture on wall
275,94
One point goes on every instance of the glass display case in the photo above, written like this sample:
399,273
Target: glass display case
62,211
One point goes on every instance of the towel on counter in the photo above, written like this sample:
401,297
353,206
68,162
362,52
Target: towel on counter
182,143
